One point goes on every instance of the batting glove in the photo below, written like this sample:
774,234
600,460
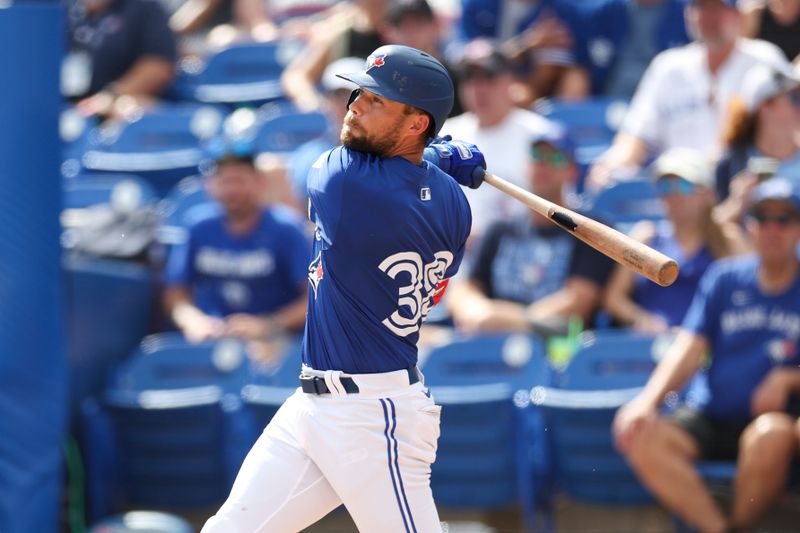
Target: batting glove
463,161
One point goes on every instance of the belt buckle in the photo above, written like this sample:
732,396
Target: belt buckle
316,381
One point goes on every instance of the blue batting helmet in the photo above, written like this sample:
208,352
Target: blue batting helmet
408,76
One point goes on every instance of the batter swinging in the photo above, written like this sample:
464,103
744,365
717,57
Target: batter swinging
390,230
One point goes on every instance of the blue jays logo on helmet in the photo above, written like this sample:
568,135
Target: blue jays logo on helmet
376,60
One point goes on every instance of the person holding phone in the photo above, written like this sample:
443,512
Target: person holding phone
762,136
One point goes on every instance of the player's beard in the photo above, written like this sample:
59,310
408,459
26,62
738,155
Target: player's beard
362,142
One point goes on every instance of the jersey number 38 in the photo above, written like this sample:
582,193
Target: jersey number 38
416,297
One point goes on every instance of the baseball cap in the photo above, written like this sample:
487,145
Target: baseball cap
557,136
764,82
330,79
399,9
484,54
776,189
686,163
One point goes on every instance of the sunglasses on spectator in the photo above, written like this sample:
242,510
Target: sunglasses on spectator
667,186
783,220
550,157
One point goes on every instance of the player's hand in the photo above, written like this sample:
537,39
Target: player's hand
631,420
463,161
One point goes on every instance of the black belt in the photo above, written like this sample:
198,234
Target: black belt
317,385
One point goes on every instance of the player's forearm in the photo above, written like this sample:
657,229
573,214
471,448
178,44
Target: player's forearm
179,307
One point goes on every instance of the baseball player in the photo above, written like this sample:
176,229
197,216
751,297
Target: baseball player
390,230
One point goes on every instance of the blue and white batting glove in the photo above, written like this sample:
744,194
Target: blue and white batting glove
461,160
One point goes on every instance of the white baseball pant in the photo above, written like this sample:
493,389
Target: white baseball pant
371,450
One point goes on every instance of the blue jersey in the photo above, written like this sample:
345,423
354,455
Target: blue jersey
387,233
749,333
256,273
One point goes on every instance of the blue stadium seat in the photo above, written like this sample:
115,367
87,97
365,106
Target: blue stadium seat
167,361
185,205
592,123
282,128
124,190
162,145
608,369
625,203
109,305
241,74
485,459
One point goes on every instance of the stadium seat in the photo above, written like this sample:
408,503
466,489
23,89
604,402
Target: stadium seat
109,304
167,361
608,369
625,203
124,191
591,123
282,128
186,204
485,458
162,145
241,74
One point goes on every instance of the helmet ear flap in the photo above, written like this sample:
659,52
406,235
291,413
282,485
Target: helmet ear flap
353,96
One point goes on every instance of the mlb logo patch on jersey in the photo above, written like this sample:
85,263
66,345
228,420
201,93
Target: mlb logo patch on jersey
316,273
376,60
425,194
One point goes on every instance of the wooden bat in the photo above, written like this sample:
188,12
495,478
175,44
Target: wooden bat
635,255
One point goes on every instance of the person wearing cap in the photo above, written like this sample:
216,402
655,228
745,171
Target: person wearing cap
391,225
497,125
241,273
745,316
526,272
762,136
685,184
683,95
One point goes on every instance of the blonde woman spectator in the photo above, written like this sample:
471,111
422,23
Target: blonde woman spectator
684,183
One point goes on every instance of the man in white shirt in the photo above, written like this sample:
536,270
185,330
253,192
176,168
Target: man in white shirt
492,121
682,98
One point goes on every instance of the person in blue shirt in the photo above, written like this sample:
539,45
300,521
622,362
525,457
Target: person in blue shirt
391,229
241,273
746,315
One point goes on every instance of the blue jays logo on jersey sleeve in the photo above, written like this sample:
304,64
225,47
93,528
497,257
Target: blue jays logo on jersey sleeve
376,60
316,272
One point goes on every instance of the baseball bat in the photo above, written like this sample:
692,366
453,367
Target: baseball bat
635,255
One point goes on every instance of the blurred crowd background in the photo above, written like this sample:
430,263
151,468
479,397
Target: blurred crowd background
187,128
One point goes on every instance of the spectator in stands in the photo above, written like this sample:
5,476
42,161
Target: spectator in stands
353,29
336,95
684,93
540,35
129,47
745,314
527,272
776,21
620,38
685,184
242,273
492,121
762,136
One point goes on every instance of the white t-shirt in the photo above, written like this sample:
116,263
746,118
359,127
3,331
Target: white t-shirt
507,151
679,103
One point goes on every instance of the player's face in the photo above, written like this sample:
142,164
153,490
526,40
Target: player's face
775,226
237,188
374,124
